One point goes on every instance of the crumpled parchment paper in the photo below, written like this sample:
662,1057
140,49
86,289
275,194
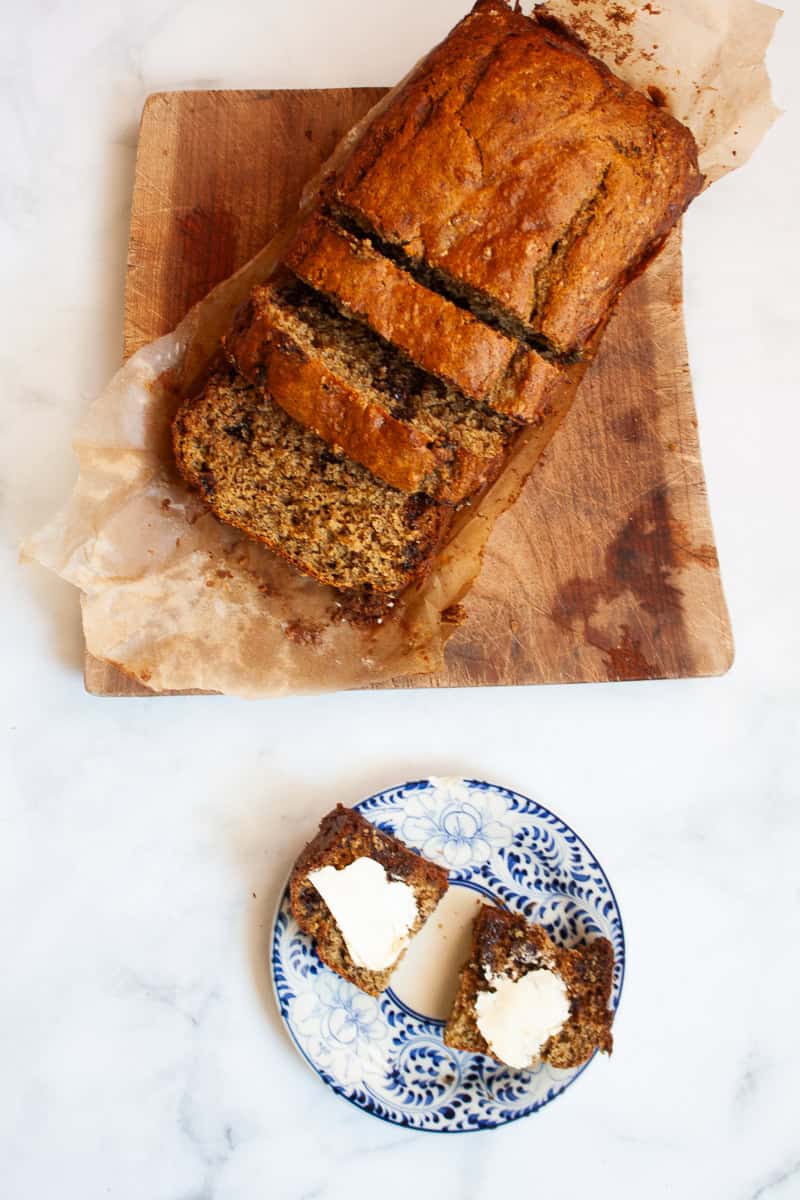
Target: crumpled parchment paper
180,601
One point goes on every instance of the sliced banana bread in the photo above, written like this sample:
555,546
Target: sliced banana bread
506,947
443,338
344,837
496,205
528,178
280,483
364,396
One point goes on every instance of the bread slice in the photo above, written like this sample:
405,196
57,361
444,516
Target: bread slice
365,397
506,944
280,483
518,169
344,835
446,340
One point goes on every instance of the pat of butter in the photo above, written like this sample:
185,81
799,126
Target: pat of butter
374,913
519,1015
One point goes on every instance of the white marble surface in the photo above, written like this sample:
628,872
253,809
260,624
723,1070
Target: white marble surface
143,842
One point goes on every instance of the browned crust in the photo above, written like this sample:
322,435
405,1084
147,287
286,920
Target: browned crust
444,339
447,341
435,522
395,451
520,167
504,943
344,835
274,362
527,384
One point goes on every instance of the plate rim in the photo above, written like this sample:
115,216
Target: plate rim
404,1124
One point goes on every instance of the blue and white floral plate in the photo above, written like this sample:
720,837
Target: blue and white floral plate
386,1055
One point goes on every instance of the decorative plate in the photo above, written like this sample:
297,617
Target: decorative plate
386,1055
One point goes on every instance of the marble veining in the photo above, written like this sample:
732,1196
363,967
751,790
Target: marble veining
144,845
778,1181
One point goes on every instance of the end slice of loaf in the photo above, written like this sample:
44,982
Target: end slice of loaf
365,397
280,483
446,340
506,944
344,835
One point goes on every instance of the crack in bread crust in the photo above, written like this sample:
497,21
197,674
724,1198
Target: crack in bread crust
523,130
469,299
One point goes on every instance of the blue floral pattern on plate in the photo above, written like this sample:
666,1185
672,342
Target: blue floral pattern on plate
392,1062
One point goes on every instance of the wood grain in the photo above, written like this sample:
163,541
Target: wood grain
606,567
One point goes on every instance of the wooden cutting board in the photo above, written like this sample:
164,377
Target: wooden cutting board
606,567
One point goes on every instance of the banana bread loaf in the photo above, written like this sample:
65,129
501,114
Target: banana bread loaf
530,181
465,252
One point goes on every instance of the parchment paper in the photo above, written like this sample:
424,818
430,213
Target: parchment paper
180,601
